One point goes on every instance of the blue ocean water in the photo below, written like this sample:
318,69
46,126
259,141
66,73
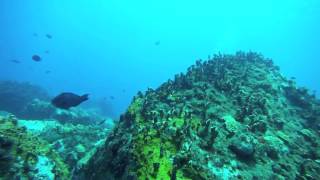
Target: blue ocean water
112,49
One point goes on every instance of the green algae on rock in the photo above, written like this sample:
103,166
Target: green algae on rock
231,117
75,143
29,157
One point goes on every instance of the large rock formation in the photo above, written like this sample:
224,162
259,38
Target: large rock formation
231,117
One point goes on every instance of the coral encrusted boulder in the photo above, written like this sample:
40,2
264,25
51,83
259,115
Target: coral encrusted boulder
25,156
231,117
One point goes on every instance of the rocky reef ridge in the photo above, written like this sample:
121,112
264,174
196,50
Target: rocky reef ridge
231,117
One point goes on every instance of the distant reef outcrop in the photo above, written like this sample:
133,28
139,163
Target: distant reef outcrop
29,101
231,117
15,96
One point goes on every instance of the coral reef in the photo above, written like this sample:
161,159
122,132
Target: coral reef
48,143
75,143
231,117
26,156
39,109
15,96
77,116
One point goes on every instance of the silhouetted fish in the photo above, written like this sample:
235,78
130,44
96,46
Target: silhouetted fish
157,43
112,97
103,121
68,100
36,58
48,36
47,71
35,34
15,61
47,52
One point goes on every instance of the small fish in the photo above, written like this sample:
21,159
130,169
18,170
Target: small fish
36,58
15,61
157,43
67,100
48,36
102,122
112,97
47,52
47,71
35,34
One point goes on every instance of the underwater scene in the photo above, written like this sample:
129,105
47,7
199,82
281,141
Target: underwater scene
159,90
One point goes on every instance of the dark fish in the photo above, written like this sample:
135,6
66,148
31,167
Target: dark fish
35,34
47,52
36,58
48,36
112,97
157,43
68,100
47,71
15,61
102,122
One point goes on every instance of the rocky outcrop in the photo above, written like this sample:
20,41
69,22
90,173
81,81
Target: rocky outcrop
16,95
231,117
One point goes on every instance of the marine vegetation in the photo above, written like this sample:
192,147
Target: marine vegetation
26,156
230,117
75,143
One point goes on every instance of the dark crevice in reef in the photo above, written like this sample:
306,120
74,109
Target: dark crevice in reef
231,117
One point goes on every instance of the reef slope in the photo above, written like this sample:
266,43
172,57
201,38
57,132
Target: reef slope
231,117
26,156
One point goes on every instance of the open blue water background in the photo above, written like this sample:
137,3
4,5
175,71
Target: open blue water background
117,47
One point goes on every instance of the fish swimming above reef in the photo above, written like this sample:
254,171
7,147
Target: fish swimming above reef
67,100
36,58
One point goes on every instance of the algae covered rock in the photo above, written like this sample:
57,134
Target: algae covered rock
75,143
6,156
38,109
231,117
77,116
26,156
242,148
